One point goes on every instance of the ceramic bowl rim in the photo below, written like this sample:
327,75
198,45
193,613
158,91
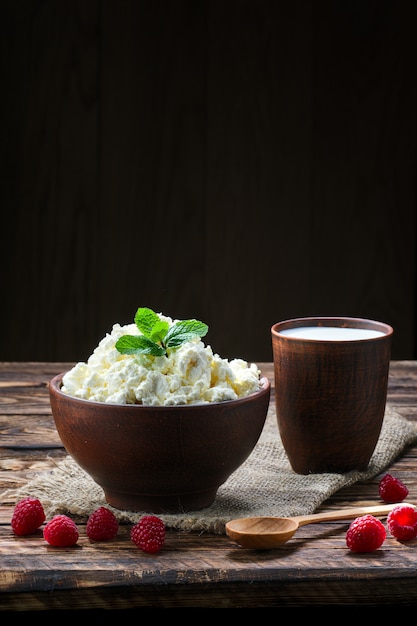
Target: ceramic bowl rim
56,382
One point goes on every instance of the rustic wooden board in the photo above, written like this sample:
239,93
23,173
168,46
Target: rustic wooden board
193,570
240,162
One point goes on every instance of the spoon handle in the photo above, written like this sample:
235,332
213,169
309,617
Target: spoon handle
378,510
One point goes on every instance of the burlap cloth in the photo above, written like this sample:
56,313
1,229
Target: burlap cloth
264,485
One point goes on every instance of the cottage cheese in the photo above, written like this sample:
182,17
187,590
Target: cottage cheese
191,374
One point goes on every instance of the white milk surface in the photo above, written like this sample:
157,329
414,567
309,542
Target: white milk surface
331,333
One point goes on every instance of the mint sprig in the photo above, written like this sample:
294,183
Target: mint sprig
157,335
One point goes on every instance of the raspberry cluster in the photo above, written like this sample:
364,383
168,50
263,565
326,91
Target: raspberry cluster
402,522
28,516
102,525
61,531
367,533
148,533
392,489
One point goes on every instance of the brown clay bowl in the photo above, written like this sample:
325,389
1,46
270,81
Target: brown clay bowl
159,459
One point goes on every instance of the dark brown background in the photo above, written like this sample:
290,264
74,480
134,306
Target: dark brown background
237,161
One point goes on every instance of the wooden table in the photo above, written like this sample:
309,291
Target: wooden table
313,569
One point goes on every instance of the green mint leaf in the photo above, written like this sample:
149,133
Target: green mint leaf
159,331
157,335
145,320
183,331
138,344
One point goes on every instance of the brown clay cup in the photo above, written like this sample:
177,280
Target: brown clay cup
331,382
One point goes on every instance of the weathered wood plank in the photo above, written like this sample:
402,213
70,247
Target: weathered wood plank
225,160
193,570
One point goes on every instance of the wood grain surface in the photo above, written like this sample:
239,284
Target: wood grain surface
239,162
193,570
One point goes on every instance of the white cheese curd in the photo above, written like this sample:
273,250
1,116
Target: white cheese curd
189,374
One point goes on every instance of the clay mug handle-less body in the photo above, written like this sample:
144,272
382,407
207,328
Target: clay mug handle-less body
331,382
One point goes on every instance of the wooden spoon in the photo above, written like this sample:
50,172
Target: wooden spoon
265,533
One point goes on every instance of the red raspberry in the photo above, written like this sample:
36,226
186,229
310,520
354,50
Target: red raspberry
28,516
149,534
402,522
102,525
365,534
392,489
61,531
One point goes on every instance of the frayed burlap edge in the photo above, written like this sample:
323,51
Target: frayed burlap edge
264,485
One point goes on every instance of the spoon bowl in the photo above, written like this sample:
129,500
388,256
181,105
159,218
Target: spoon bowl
266,533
